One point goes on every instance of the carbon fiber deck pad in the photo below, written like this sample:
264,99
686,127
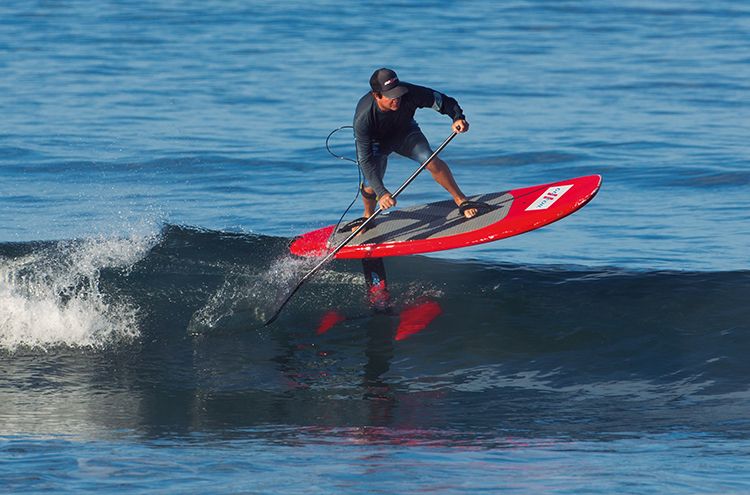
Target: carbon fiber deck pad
430,221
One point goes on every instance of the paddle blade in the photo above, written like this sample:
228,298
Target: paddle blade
288,298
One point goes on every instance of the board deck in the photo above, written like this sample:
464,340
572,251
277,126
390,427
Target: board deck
439,226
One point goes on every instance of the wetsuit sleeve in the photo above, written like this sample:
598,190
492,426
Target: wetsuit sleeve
365,156
442,103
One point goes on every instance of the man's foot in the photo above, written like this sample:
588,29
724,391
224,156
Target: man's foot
469,209
354,225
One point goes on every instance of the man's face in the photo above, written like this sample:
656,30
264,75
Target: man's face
388,104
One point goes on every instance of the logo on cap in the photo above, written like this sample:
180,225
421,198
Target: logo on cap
391,81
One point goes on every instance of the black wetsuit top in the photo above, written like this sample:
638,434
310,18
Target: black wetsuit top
387,129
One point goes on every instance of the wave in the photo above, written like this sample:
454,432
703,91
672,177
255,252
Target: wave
52,293
120,324
108,292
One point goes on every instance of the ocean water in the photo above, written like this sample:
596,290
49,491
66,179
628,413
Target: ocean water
156,159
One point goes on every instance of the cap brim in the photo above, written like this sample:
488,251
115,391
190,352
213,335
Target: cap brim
396,92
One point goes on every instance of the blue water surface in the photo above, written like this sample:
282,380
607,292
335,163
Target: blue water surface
210,118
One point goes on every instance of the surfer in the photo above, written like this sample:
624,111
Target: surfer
384,123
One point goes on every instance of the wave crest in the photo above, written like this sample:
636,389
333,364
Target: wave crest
54,296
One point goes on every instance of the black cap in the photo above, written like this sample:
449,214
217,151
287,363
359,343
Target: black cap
385,82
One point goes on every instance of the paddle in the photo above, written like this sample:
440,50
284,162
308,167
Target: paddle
346,241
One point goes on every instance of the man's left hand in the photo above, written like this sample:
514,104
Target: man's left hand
460,126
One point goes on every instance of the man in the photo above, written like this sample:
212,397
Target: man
384,123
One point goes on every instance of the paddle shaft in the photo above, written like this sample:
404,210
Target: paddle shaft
346,241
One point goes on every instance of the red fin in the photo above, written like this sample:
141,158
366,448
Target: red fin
416,318
329,319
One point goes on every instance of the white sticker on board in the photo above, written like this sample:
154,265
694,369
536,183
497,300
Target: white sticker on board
549,197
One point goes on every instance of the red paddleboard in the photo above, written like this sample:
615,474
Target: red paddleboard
439,226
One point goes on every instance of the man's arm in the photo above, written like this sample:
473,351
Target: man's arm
442,103
365,157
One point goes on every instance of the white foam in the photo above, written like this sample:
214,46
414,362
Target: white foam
53,297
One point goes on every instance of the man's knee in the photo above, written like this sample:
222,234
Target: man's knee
437,165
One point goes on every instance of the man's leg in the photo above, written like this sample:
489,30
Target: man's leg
443,176
369,199
416,147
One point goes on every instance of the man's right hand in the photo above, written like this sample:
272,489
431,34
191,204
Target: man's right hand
387,201
460,126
